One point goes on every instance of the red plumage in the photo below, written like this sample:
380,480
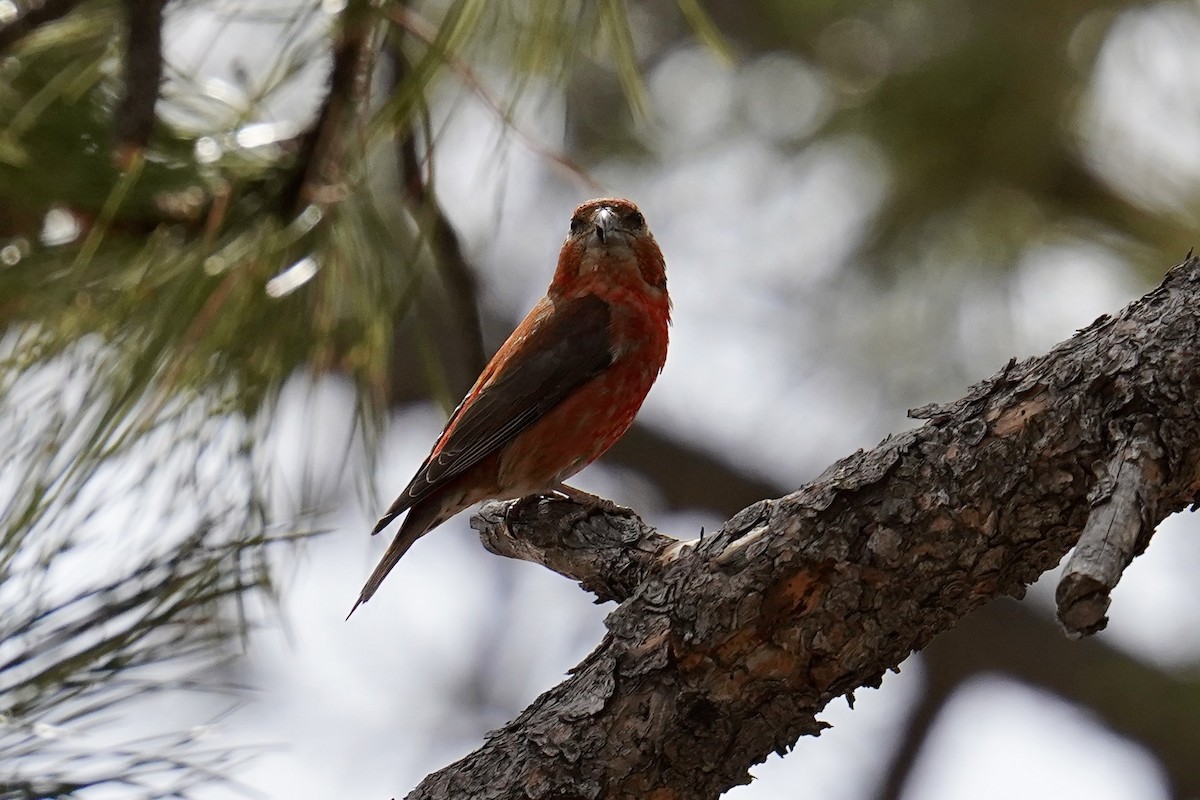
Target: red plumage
561,390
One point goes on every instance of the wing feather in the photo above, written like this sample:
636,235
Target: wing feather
563,351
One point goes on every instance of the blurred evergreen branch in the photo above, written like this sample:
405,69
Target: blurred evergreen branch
134,555
31,15
169,257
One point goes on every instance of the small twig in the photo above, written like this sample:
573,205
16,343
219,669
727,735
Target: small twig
36,14
134,121
452,262
1117,529
609,553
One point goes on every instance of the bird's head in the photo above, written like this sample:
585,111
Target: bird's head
609,245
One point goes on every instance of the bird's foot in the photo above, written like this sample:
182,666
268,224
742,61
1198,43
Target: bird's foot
593,502
589,502
523,505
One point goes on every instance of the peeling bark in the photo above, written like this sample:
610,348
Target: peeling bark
727,651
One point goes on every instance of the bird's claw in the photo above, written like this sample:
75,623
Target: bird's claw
519,506
593,502
590,503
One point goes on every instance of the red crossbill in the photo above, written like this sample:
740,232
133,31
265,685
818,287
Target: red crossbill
563,388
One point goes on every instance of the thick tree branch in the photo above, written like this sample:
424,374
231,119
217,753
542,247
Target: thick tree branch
731,651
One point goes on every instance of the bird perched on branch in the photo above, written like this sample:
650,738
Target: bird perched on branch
563,388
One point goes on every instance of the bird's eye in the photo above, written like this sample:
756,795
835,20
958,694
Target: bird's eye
635,220
577,225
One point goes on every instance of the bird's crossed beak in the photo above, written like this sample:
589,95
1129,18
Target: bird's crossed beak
606,224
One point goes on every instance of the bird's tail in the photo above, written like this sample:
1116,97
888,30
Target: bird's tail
421,517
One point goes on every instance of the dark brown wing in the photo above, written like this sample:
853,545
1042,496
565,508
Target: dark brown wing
558,356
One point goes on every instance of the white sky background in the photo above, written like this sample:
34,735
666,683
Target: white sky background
780,360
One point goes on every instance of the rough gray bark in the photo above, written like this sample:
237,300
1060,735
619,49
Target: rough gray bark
725,651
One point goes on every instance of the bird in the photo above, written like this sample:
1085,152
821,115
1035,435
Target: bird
560,391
